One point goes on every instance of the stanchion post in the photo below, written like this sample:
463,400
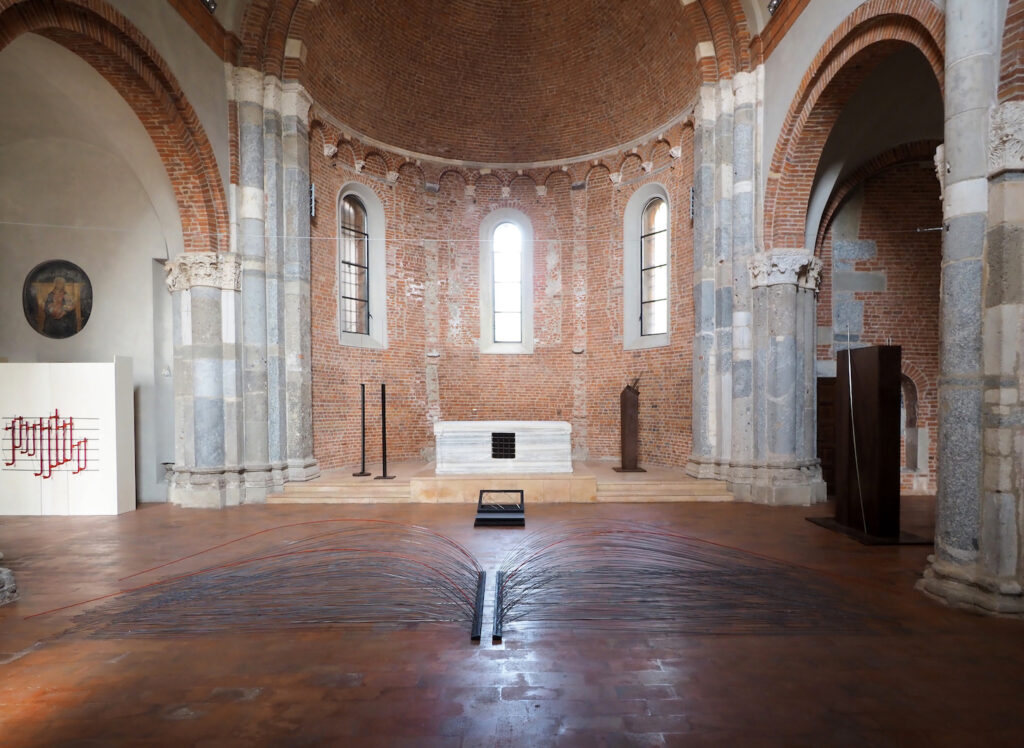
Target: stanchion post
362,399
384,434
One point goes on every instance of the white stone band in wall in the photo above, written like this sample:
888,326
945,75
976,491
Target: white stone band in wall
221,270
785,267
540,447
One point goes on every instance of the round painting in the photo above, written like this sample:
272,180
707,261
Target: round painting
57,297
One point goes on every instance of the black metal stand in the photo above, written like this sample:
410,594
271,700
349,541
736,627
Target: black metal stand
498,624
502,514
384,434
362,398
478,608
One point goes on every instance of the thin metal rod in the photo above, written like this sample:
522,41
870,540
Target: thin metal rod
853,429
362,398
384,434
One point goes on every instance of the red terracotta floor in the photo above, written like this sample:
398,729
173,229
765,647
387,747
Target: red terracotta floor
936,677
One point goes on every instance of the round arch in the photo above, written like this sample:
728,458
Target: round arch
116,50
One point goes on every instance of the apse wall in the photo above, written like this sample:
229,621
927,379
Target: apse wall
433,365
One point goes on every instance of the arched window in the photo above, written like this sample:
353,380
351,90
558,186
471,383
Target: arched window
362,268
507,277
646,269
654,269
355,268
506,283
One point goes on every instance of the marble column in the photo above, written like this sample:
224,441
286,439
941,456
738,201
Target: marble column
297,388
783,468
743,187
706,388
205,296
976,561
251,242
992,578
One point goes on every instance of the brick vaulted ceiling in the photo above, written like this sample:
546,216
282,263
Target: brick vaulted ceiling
495,81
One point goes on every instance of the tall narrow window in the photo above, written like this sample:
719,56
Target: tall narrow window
646,268
355,268
508,283
654,269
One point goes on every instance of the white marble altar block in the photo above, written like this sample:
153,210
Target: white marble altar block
466,447
67,438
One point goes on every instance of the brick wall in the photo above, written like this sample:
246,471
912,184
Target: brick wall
896,202
1011,72
577,284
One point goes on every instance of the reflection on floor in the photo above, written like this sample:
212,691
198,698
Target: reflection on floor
911,673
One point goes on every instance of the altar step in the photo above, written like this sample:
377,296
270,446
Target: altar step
590,482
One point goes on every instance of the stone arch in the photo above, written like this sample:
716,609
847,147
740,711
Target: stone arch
106,40
908,398
869,34
922,150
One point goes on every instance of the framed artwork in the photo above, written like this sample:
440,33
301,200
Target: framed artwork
57,298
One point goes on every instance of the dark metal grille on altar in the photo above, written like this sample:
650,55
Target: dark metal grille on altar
503,445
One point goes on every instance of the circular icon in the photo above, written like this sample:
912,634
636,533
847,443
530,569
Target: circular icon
57,298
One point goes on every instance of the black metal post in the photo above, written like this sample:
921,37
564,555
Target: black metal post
384,434
362,398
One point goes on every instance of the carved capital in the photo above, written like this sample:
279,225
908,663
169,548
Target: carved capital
1006,138
296,102
214,269
794,267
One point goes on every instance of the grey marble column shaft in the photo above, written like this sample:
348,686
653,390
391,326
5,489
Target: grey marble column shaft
296,301
701,460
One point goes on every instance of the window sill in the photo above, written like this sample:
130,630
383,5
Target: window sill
645,342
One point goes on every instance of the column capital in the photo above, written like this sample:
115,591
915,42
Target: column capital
221,270
1006,139
793,267
297,102
248,85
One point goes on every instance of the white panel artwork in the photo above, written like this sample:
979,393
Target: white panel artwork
471,447
67,441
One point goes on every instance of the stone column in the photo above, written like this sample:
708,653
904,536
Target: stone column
744,140
249,93
723,269
783,468
705,385
992,579
274,254
972,43
205,301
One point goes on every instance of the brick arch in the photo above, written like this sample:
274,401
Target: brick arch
922,150
1011,68
865,37
116,50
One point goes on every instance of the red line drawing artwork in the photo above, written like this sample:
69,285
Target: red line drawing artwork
48,442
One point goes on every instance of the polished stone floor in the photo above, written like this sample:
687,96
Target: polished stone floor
929,676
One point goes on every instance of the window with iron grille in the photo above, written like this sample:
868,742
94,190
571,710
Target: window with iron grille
355,267
654,268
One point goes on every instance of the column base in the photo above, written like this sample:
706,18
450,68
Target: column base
796,485
216,488
965,587
8,589
303,469
706,469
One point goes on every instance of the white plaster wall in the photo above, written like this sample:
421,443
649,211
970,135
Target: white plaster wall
81,180
785,67
199,71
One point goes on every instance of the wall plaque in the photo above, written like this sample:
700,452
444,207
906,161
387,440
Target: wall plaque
57,298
